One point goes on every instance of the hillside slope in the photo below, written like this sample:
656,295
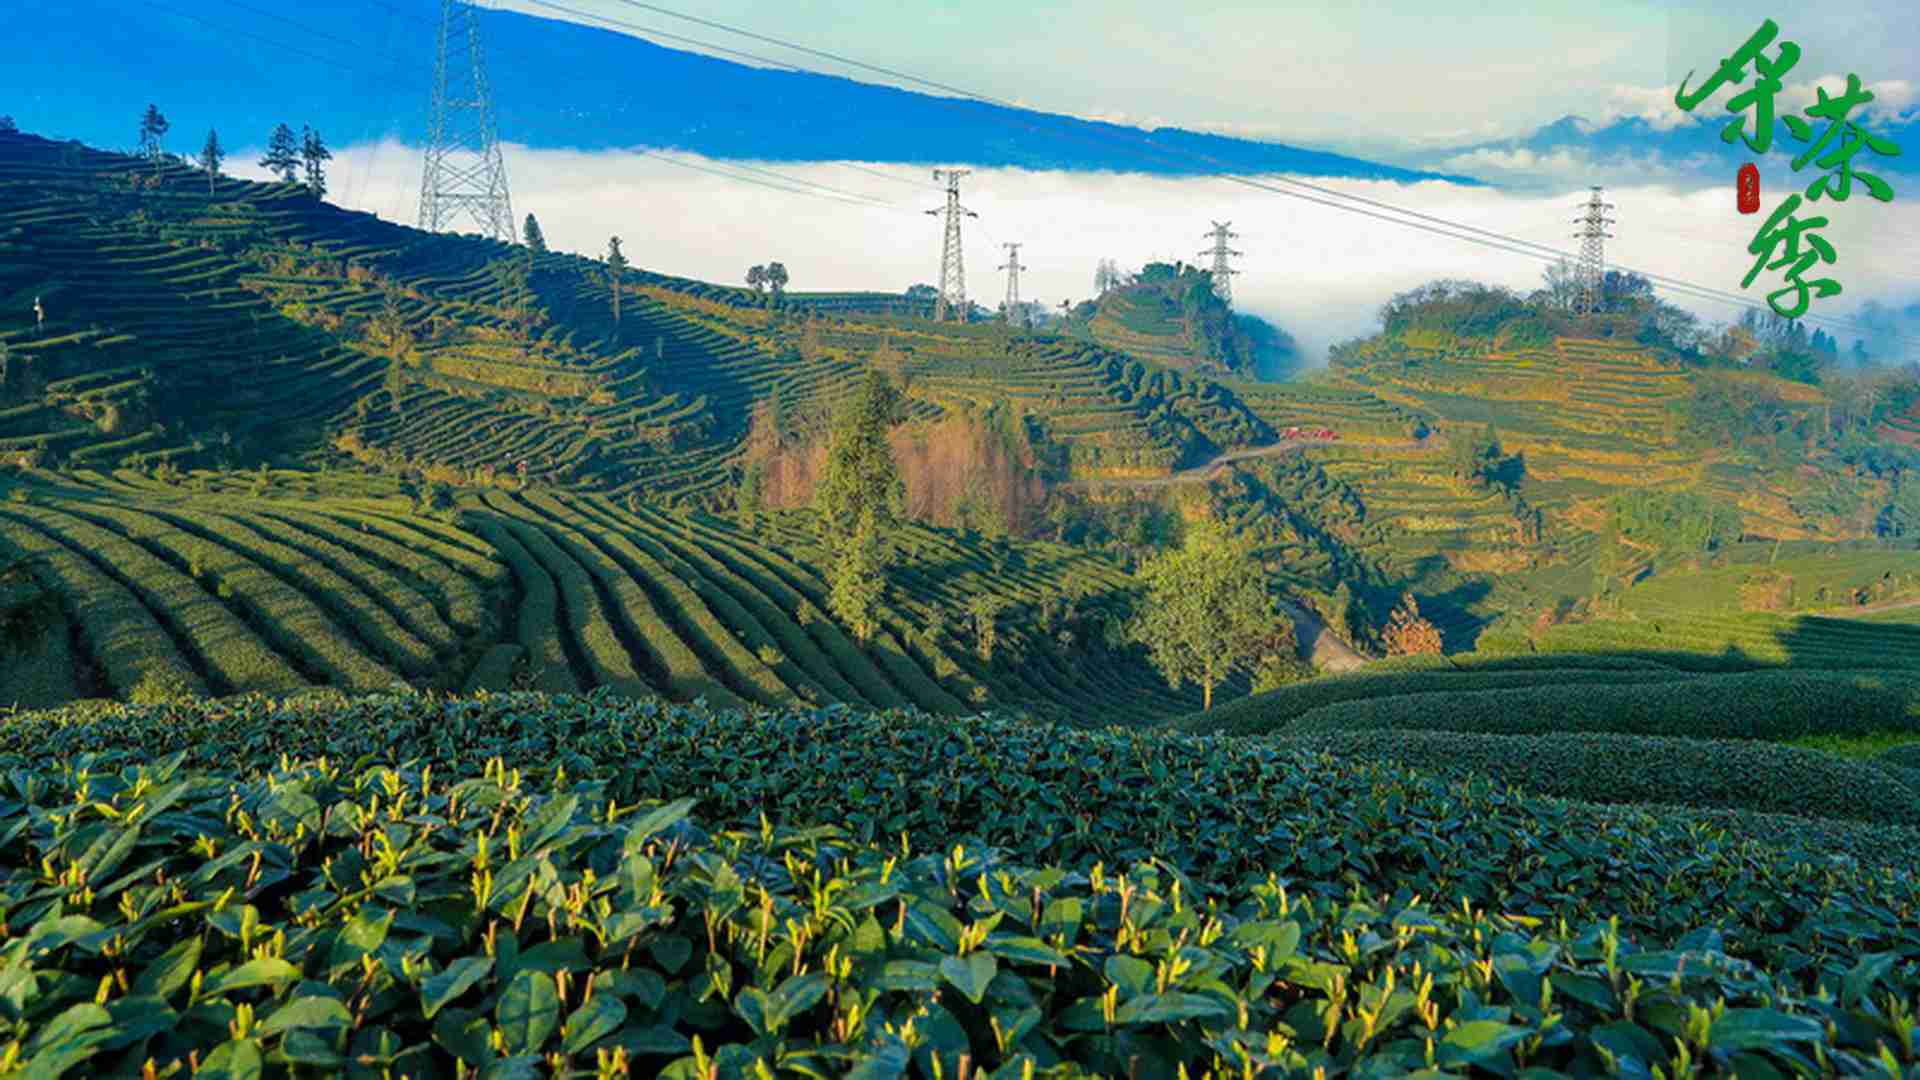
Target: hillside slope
1168,313
266,582
244,321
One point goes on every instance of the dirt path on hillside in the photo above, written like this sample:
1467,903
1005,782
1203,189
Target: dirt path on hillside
1865,609
1207,469
1328,653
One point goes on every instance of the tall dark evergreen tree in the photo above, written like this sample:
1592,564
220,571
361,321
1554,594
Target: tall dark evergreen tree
616,267
861,482
531,235
313,152
7,125
153,128
283,155
211,155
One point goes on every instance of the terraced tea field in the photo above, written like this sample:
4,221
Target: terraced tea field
198,327
170,590
1313,402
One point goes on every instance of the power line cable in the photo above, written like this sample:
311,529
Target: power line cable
652,32
823,187
762,183
296,50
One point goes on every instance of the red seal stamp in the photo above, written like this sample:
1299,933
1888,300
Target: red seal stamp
1748,187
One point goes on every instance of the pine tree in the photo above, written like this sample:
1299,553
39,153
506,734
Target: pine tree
859,580
7,126
283,155
153,127
211,155
616,266
313,152
861,478
531,235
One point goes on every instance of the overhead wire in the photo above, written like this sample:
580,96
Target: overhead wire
294,49
717,171
669,36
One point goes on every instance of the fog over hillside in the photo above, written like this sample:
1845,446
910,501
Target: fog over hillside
1320,273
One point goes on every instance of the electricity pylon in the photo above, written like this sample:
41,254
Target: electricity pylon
1589,273
953,272
1012,267
1222,273
464,175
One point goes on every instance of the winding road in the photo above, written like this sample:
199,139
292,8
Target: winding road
1318,645
1206,469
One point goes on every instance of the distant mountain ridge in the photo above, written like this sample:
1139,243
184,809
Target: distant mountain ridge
1631,150
562,85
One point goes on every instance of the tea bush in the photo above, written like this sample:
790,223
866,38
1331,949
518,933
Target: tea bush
1220,810
368,921
1264,712
1736,774
1772,705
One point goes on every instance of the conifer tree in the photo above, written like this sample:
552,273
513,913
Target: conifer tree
616,267
531,235
859,580
211,155
861,478
283,155
7,126
313,151
153,128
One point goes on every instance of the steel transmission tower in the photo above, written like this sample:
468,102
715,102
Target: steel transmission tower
953,272
465,176
1590,274
1012,267
1222,273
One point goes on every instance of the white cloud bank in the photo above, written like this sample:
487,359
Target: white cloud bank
1320,273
